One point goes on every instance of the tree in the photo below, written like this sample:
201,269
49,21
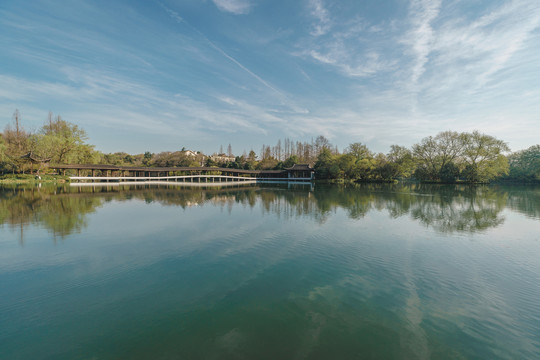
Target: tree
359,151
252,156
483,157
325,165
16,137
403,161
2,148
449,172
4,163
347,166
525,164
278,150
16,143
291,160
61,141
251,162
364,162
147,158
432,154
321,143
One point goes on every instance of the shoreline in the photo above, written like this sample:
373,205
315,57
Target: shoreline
27,179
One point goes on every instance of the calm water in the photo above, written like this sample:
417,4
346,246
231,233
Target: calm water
301,272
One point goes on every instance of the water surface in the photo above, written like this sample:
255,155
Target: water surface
270,272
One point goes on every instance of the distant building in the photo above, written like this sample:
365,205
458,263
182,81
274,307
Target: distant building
190,153
222,158
303,171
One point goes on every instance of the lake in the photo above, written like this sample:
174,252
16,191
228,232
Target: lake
404,271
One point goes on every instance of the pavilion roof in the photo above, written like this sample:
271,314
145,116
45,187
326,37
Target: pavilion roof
34,158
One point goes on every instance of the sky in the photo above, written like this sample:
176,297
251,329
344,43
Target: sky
162,75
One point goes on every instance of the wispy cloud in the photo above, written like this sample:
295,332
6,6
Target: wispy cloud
488,43
237,7
347,71
421,36
107,101
351,65
477,64
179,19
322,18
343,46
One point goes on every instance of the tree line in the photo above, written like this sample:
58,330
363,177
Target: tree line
446,157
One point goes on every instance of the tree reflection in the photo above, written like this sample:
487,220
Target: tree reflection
55,208
460,208
524,199
444,208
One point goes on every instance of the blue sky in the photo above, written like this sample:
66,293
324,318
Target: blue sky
162,75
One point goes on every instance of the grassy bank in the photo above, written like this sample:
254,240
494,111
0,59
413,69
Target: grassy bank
32,179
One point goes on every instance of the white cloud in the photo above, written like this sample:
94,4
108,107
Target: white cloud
237,7
479,65
350,46
95,99
488,44
321,15
421,36
362,66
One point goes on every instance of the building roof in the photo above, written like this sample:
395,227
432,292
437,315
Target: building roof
34,158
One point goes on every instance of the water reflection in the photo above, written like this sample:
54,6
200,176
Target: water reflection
266,282
444,208
524,199
55,208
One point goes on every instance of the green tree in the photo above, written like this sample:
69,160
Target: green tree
2,148
325,167
383,170
147,158
4,164
210,163
525,164
402,160
483,157
359,151
267,163
346,166
251,161
291,160
449,172
364,161
433,153
61,141
364,168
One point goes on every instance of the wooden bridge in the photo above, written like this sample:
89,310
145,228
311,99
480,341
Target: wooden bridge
191,175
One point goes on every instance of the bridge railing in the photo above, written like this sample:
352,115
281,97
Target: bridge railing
182,178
